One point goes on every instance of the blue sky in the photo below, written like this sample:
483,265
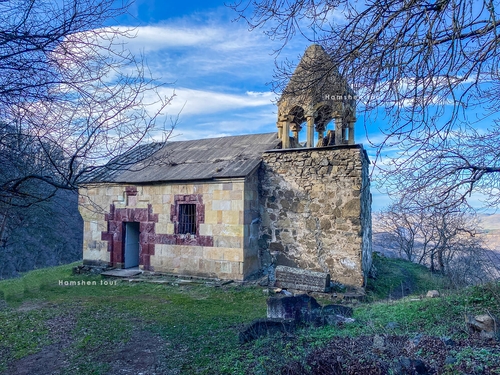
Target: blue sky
218,70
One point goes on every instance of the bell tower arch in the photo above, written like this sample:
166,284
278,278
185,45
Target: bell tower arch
316,95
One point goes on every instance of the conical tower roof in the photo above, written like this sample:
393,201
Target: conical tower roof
316,94
315,79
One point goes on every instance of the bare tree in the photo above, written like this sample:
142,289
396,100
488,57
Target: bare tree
71,96
402,228
443,238
431,66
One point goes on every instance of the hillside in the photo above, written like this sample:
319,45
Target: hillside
186,327
45,234
491,230
488,232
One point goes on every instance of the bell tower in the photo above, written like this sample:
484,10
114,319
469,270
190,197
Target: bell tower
316,95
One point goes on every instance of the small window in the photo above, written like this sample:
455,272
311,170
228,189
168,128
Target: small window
187,219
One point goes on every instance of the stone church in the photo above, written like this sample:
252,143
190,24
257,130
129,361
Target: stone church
237,207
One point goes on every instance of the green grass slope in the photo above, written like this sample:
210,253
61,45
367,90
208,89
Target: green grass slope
193,329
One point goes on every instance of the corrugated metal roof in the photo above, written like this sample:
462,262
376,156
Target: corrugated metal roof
202,159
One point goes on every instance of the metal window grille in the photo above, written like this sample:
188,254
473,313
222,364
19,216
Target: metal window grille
187,219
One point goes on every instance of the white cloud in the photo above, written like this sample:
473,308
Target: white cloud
267,94
152,38
189,102
249,122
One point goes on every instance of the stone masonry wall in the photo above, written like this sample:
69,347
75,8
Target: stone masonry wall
316,211
251,225
217,249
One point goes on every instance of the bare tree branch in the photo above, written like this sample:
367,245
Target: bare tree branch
71,95
430,67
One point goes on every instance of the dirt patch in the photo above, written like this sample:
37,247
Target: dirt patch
399,355
145,353
51,359
48,361
142,354
61,328
33,305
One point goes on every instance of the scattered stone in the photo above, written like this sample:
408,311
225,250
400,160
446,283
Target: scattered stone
299,308
413,366
448,341
432,294
263,281
392,325
378,343
416,340
337,287
305,309
344,320
450,360
354,297
319,295
297,278
264,327
338,310
84,269
333,320
486,325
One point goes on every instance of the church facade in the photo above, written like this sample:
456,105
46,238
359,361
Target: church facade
236,207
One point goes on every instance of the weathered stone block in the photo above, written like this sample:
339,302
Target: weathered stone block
221,195
237,205
206,230
299,308
213,253
225,241
304,309
276,246
230,217
236,194
233,255
432,294
264,327
297,278
221,205
487,325
210,217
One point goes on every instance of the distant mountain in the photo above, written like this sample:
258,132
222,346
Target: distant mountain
491,230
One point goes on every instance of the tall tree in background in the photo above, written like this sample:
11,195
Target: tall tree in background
71,99
430,67
71,95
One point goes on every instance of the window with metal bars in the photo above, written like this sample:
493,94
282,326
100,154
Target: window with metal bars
187,219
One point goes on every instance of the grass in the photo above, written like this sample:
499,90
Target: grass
199,320
198,325
394,275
